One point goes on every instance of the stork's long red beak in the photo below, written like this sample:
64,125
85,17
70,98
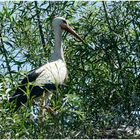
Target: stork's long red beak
67,28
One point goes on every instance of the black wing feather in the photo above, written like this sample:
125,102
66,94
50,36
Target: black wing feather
19,97
30,77
22,87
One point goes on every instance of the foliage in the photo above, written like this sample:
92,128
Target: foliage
102,92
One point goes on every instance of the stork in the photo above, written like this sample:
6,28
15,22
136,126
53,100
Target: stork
44,78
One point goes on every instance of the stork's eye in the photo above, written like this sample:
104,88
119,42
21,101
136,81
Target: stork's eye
64,21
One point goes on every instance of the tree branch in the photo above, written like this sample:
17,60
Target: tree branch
4,52
106,16
114,42
40,26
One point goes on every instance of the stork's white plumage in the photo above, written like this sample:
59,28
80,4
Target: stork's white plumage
46,76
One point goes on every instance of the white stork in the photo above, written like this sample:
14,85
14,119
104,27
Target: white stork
45,77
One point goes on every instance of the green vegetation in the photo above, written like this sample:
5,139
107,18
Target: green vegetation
103,88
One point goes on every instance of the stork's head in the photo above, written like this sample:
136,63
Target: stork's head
57,21
60,22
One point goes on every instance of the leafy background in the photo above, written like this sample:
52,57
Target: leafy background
101,99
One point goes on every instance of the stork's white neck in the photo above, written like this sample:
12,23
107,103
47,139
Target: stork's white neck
58,49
